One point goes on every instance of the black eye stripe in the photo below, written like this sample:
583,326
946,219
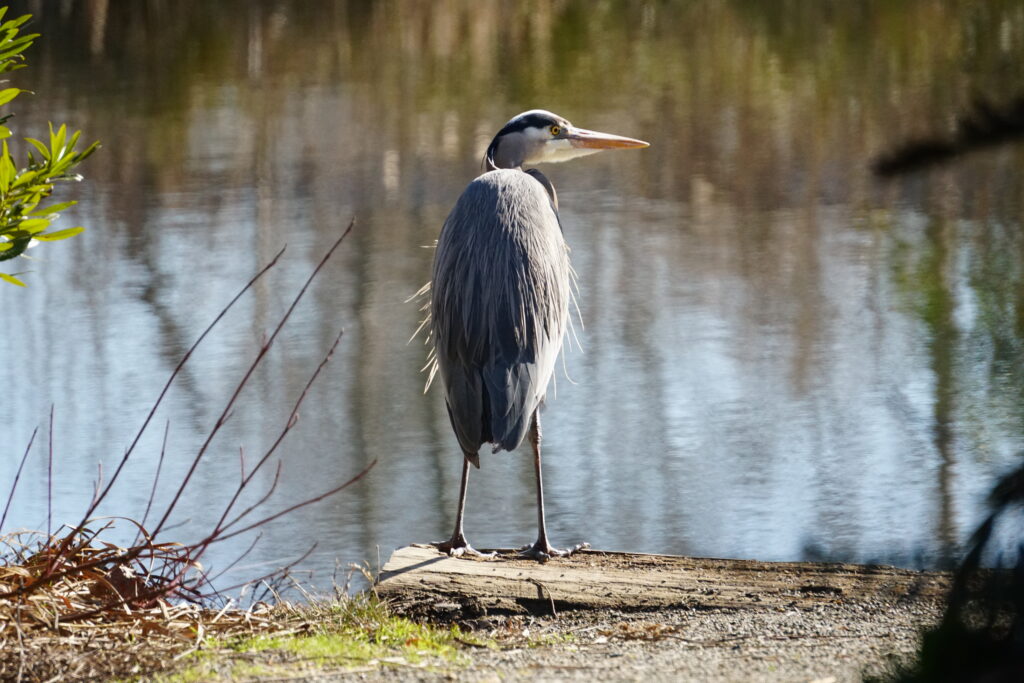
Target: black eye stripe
531,121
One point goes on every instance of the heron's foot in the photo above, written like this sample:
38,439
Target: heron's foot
542,552
458,546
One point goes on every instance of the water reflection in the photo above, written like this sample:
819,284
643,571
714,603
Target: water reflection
783,358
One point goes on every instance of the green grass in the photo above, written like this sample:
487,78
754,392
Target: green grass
353,633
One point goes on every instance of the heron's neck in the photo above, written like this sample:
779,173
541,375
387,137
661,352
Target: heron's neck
506,151
548,185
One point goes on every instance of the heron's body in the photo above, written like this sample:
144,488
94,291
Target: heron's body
500,296
500,300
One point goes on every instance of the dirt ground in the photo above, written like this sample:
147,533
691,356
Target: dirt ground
821,643
597,615
729,620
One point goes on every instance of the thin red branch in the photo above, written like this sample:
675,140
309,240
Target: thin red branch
99,496
172,562
263,499
276,572
49,479
308,501
97,484
17,476
238,559
156,480
221,525
245,379
163,392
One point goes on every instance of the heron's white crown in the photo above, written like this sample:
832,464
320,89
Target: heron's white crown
548,148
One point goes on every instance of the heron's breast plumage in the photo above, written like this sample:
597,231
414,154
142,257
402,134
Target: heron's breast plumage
499,306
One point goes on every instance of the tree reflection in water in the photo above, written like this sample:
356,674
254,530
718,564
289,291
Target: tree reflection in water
784,358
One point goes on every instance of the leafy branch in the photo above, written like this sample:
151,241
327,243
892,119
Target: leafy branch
23,222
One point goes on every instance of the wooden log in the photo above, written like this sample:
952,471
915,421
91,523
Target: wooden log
420,575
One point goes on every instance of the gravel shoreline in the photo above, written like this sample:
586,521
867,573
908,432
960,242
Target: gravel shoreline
825,643
623,617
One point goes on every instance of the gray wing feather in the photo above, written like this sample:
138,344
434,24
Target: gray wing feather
499,306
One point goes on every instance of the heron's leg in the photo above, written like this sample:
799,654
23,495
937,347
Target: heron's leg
542,550
457,545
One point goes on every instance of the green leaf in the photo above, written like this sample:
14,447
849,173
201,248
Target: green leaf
21,20
14,23
8,94
6,169
57,139
10,278
48,210
34,225
88,151
11,57
43,149
59,235
25,177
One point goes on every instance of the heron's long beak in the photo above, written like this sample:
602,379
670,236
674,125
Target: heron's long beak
591,139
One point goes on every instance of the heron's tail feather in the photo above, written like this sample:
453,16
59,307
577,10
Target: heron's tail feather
431,366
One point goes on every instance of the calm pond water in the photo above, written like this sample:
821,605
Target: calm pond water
782,358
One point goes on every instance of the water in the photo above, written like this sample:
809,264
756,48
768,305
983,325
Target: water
783,357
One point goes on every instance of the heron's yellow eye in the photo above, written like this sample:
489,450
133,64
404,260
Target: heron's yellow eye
555,130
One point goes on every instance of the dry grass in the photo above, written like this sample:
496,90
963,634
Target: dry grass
105,623
94,614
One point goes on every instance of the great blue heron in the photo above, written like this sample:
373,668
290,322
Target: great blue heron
500,298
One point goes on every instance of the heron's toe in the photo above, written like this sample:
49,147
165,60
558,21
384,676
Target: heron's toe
459,547
542,552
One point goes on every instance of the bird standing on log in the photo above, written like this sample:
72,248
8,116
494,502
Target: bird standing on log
499,302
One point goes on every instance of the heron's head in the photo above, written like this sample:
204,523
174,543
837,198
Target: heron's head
537,136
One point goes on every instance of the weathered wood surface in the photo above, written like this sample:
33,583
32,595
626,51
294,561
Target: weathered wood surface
595,579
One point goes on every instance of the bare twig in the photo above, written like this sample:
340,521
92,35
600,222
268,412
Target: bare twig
292,508
163,392
238,559
17,476
221,524
88,580
263,499
156,480
97,485
277,572
245,379
49,478
50,574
